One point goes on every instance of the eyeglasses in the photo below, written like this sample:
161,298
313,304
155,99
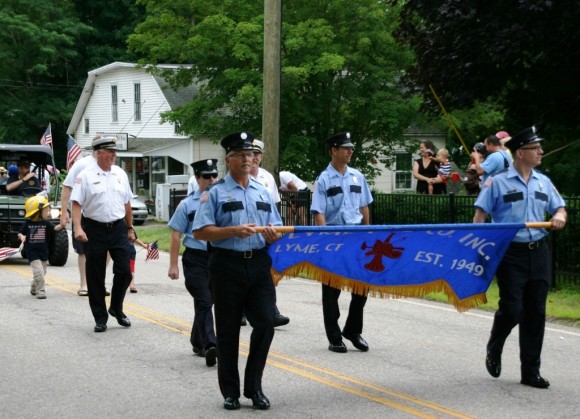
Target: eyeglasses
249,155
537,148
209,175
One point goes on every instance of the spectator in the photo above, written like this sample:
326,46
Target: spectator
425,169
442,159
297,204
497,159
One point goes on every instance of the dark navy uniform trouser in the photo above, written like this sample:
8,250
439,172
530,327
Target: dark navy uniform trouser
195,270
331,314
241,284
523,279
114,240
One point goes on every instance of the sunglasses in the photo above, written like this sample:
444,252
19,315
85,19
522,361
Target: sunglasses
209,175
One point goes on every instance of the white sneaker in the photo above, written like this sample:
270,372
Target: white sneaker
41,295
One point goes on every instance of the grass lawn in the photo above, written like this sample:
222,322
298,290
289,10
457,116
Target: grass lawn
563,305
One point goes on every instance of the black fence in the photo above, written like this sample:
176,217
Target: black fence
399,209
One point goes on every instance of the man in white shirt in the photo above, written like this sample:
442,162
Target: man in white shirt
67,187
266,179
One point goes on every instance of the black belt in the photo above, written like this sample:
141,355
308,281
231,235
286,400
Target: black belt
196,251
246,254
100,224
529,246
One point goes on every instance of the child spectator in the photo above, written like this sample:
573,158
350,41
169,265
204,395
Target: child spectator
132,257
444,171
36,234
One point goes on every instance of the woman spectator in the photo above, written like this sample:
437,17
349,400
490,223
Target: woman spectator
425,170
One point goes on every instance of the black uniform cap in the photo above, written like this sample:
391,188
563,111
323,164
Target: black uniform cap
238,141
339,140
205,167
527,136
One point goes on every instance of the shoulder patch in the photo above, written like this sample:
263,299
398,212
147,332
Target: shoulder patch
204,196
78,180
488,182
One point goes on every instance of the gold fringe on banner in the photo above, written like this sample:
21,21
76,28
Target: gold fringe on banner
310,271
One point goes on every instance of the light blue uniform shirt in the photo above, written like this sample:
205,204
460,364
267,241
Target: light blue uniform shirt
182,220
228,204
495,163
340,197
508,199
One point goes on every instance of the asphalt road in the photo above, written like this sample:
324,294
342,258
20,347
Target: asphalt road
425,359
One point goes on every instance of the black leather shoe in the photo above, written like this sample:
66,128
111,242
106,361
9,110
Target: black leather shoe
100,327
243,321
493,365
339,347
231,403
121,318
199,351
210,356
535,381
280,320
358,342
259,400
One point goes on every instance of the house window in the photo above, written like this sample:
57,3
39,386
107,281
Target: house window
87,128
114,104
137,101
177,128
403,171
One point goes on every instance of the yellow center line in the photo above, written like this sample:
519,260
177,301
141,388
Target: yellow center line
298,367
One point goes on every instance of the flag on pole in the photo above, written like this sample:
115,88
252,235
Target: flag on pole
46,138
73,152
7,252
152,251
404,261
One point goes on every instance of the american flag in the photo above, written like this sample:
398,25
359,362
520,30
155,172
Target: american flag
6,252
46,138
152,251
73,152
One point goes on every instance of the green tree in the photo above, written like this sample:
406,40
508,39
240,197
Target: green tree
341,70
46,49
37,47
521,56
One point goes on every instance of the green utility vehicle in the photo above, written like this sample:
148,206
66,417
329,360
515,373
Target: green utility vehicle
12,206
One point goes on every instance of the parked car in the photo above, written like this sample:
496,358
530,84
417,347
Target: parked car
139,211
12,206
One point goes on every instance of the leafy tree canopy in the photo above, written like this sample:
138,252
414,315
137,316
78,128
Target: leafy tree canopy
521,58
46,49
341,70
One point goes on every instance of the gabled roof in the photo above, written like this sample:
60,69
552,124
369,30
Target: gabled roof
178,98
174,99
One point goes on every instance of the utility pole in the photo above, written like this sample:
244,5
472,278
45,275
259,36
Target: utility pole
271,85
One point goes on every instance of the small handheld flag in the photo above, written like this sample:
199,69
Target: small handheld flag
152,251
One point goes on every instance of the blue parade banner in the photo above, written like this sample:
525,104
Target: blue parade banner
398,261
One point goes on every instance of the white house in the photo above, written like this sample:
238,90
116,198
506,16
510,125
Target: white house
125,100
